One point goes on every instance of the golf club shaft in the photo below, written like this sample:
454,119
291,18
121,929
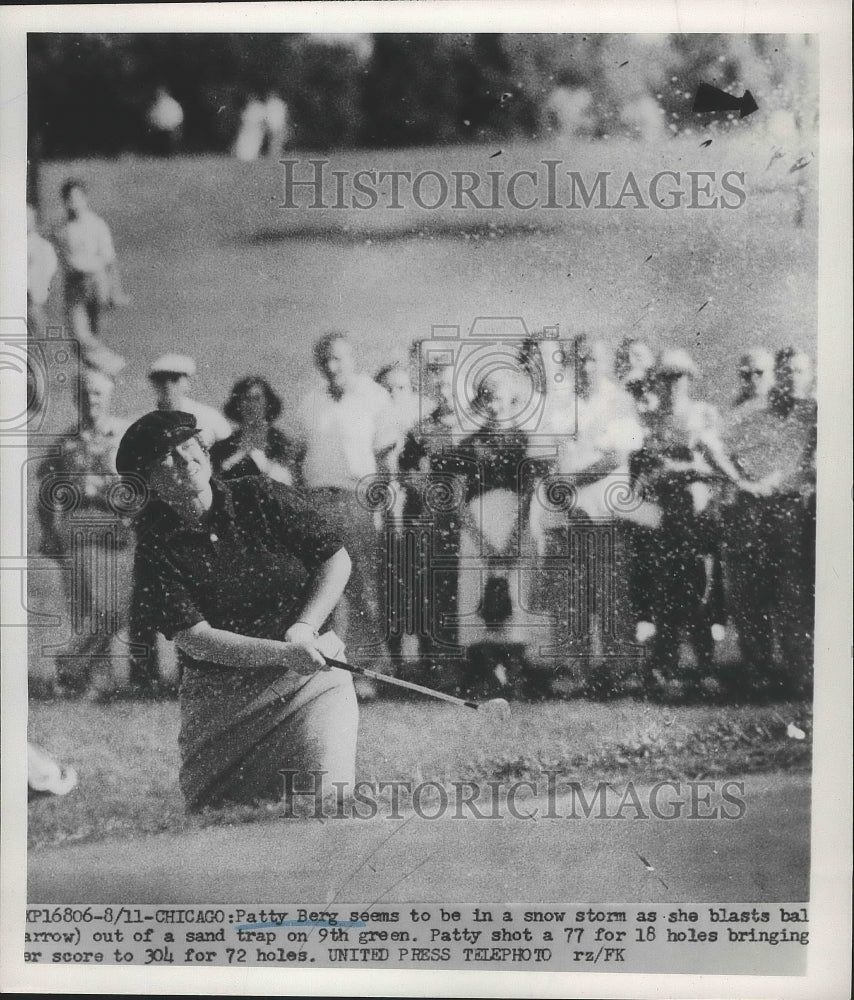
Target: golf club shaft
398,682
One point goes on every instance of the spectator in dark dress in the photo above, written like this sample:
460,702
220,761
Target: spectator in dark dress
257,447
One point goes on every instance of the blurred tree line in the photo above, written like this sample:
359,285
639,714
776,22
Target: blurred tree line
89,93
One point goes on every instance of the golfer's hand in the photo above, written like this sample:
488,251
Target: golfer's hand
301,632
303,636
260,460
304,658
644,631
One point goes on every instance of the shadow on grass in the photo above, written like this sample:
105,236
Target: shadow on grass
351,235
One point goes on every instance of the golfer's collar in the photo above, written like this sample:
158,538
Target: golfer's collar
221,507
161,519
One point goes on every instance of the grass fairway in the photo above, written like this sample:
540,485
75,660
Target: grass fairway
126,754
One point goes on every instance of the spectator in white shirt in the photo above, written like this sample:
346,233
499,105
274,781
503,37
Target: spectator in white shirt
278,125
606,429
253,130
346,423
345,427
88,257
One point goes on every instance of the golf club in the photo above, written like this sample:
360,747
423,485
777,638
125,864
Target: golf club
495,706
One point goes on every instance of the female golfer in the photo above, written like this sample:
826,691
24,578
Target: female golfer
242,575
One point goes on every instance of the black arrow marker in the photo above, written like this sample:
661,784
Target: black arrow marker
709,98
800,163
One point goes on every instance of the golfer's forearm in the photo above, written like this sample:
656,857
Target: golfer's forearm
325,590
230,649
280,473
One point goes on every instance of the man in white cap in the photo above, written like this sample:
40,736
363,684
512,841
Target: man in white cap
170,378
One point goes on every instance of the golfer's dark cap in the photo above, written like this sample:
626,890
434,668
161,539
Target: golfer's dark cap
148,439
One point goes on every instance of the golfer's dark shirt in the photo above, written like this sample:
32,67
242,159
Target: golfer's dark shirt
246,570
